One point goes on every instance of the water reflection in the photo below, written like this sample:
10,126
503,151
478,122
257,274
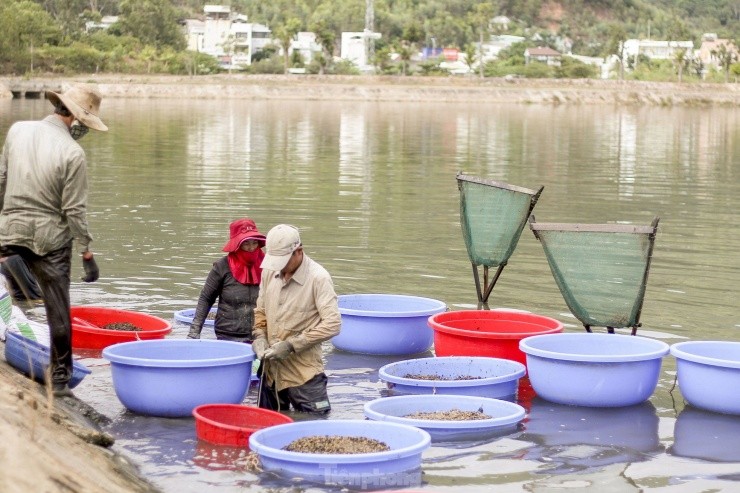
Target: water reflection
372,187
572,438
706,435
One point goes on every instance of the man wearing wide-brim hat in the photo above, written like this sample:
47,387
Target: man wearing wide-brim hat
43,208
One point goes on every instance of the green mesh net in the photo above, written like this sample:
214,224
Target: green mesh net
492,215
601,270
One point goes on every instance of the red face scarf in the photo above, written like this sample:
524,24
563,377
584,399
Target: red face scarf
245,266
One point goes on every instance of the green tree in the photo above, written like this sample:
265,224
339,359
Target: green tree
481,17
154,22
726,57
24,27
680,58
285,33
615,45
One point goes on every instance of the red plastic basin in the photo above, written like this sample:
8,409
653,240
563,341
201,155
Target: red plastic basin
88,320
232,424
494,333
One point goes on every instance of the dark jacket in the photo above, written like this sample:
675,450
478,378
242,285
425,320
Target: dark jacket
236,302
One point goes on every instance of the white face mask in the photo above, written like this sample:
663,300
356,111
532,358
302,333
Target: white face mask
78,130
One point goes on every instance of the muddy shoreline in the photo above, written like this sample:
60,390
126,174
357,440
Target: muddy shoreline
396,89
57,444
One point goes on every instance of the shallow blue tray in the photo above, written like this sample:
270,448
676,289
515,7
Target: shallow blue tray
32,359
186,316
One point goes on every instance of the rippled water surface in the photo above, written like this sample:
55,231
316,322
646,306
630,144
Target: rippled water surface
372,188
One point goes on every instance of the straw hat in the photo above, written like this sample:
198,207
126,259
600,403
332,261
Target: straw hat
83,101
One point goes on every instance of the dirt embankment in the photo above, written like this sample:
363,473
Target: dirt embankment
54,446
408,89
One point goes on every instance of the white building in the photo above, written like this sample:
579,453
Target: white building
658,50
105,22
305,44
496,44
355,46
226,36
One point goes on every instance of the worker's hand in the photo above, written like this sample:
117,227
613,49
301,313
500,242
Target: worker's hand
91,268
194,332
259,346
279,350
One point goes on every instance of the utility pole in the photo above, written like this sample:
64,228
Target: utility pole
369,29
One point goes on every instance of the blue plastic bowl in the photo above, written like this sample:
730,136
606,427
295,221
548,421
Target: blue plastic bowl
504,415
170,378
399,466
186,316
496,378
709,374
32,359
388,324
594,370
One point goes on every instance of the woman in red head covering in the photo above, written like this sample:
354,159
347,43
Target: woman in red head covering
235,282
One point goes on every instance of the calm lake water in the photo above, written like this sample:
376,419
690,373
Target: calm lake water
372,188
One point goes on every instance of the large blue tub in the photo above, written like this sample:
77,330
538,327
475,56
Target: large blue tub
170,378
32,359
504,415
389,324
594,370
186,316
709,374
493,377
399,466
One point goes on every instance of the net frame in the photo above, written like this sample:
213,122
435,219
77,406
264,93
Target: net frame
568,275
514,205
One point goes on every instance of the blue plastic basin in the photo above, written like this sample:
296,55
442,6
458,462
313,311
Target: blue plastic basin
186,316
170,378
594,370
399,466
504,415
389,324
709,374
32,359
495,378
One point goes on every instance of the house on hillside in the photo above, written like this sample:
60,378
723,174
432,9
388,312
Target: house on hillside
105,22
710,44
655,49
354,48
305,43
496,44
227,36
542,54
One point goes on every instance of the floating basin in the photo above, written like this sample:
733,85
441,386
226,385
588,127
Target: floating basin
233,424
494,333
186,316
704,367
504,415
170,378
594,370
389,324
398,466
32,359
87,323
492,377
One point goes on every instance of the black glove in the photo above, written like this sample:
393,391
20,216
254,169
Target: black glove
194,332
91,270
